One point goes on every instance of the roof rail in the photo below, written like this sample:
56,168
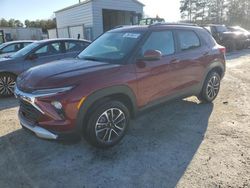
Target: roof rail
119,26
170,23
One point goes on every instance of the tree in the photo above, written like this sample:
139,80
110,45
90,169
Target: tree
4,23
231,12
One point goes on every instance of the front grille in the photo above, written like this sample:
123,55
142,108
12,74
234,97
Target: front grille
29,112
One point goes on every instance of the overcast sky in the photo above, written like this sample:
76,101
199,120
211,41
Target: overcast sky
43,9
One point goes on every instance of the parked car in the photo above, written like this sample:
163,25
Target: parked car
242,30
150,21
124,71
230,39
9,48
35,54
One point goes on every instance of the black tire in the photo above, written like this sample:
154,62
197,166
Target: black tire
230,46
105,130
7,84
211,87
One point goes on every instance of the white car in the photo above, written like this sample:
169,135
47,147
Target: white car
9,48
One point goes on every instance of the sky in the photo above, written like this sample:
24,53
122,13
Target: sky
44,9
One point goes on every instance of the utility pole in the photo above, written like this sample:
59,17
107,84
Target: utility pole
190,12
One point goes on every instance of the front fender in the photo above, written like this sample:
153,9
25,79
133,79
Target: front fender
104,93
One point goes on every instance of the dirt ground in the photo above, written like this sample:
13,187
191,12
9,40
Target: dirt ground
179,144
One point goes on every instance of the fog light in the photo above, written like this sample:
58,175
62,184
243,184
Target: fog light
57,105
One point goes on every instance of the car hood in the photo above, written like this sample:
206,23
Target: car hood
59,74
233,33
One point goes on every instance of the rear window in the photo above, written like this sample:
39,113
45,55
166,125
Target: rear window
188,40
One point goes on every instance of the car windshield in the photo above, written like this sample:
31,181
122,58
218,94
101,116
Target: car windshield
221,29
25,50
3,45
112,47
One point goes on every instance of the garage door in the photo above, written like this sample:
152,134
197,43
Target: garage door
63,33
75,31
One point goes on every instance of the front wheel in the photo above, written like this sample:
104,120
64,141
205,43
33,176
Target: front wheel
107,124
7,84
210,88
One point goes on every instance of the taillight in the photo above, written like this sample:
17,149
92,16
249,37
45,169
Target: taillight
222,50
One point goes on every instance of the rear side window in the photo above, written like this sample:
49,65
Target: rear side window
188,40
73,46
26,44
162,41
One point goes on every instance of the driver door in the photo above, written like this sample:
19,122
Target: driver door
157,78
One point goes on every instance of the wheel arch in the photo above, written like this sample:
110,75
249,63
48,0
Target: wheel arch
7,72
121,93
217,66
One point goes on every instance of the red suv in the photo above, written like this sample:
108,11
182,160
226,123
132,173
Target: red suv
122,72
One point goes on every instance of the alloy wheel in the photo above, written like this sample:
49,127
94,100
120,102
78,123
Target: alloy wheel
110,125
7,85
213,87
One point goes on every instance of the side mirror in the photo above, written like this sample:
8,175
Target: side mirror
32,57
151,55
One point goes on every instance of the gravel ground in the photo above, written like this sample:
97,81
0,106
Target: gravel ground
179,144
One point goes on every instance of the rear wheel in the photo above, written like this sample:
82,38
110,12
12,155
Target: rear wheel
210,88
107,124
7,84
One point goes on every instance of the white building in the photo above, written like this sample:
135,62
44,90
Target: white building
91,18
20,33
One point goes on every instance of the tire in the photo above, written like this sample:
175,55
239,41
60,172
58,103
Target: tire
7,84
107,124
230,46
211,87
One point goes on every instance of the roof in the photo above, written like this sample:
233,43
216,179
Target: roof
18,41
88,1
62,39
155,26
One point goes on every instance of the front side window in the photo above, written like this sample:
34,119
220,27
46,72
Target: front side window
25,50
162,41
112,47
188,40
11,48
49,49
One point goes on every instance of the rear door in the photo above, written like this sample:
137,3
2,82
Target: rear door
192,56
46,53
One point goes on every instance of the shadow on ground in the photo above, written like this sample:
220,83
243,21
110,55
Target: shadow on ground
6,103
155,153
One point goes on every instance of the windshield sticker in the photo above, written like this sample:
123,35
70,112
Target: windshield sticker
131,35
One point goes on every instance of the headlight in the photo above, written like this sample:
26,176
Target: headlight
46,92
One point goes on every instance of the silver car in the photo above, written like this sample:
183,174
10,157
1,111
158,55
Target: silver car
9,48
35,54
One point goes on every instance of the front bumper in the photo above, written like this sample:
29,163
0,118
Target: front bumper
42,119
39,131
